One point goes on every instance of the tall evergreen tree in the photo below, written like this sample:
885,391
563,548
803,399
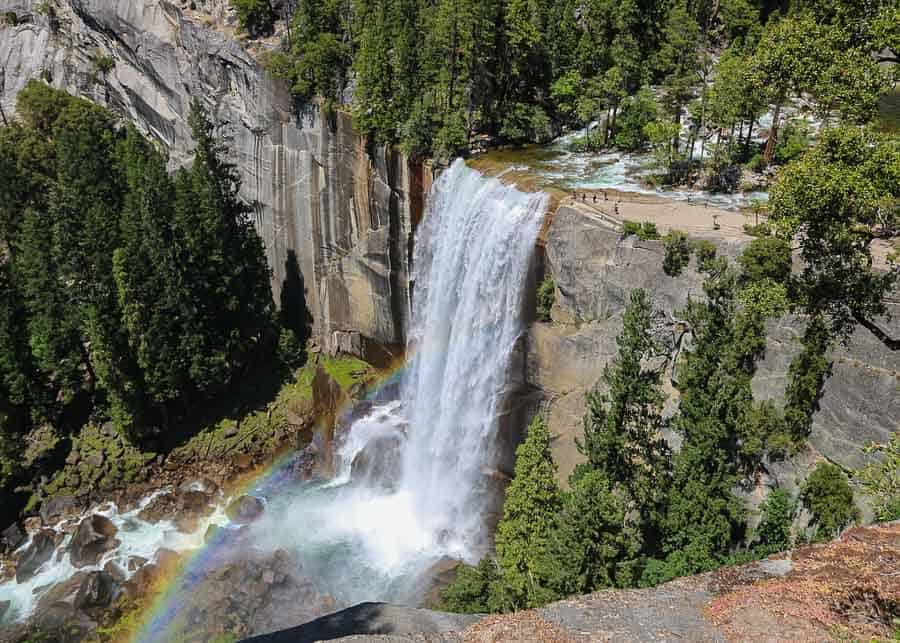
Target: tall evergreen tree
622,424
527,534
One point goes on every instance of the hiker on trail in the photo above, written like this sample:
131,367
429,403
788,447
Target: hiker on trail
595,197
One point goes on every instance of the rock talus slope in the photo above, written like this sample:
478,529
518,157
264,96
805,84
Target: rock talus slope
346,212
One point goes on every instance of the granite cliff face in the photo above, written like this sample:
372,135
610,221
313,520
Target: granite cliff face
595,267
348,215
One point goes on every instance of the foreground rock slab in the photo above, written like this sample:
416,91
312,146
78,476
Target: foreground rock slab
376,620
844,590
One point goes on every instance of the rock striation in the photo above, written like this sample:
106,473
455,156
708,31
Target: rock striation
343,210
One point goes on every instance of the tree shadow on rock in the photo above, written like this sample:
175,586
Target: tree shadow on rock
295,314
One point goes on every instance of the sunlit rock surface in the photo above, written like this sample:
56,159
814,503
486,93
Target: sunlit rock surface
595,267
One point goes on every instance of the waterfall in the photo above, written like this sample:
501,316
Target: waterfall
470,268
413,484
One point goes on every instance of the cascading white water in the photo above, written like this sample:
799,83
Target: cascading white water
470,269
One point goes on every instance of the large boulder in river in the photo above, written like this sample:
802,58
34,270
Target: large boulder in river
58,507
38,552
11,538
244,510
96,590
378,464
95,536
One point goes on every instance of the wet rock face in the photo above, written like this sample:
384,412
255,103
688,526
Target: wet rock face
11,538
38,552
245,510
378,465
318,198
96,590
95,536
59,507
185,508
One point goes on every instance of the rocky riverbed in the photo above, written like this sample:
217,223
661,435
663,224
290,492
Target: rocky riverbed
88,560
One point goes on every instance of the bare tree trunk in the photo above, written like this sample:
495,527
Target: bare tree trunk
773,133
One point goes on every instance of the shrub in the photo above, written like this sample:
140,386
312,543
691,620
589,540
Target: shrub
104,63
648,231
882,480
546,297
631,228
766,258
794,141
706,253
291,352
828,497
757,163
470,591
678,253
758,230
637,112
774,531
10,18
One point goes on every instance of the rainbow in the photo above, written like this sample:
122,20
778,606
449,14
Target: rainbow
161,620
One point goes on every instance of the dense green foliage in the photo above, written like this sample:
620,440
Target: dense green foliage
678,253
526,535
125,292
828,497
774,531
256,17
433,74
622,422
546,296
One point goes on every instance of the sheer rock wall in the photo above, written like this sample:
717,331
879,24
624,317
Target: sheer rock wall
347,214
595,268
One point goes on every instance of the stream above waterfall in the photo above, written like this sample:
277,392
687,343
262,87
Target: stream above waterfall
411,488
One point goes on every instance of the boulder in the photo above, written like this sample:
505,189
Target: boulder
95,590
62,593
204,485
142,581
58,507
4,608
136,562
38,552
94,460
95,536
11,538
244,510
379,463
115,572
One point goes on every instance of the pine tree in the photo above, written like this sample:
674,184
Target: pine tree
527,535
230,315
598,545
622,424
151,289
703,516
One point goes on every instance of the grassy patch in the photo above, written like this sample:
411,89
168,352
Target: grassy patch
267,428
